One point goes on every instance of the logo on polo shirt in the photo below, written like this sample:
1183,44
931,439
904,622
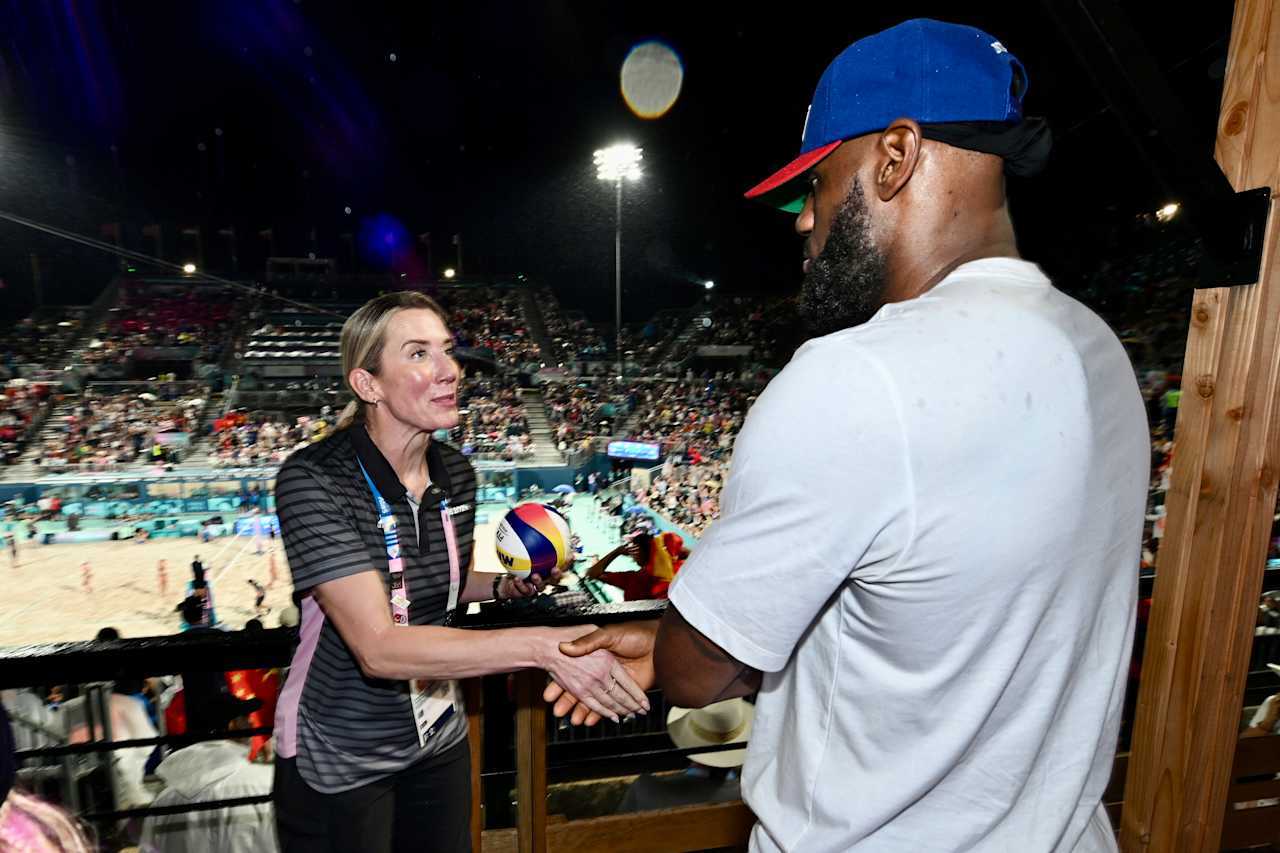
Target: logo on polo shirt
459,509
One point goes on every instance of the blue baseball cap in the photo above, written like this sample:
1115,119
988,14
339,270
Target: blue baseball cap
921,69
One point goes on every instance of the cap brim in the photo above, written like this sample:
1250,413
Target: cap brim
780,189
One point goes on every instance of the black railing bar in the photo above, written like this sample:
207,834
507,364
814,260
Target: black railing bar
113,745
156,811
651,753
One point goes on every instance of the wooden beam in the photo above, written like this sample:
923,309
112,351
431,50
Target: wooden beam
1223,496
499,841
711,826
473,696
689,828
1252,828
531,761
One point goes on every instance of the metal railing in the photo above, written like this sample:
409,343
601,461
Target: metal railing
94,664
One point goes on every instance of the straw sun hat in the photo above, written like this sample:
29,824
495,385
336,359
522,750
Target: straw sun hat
720,723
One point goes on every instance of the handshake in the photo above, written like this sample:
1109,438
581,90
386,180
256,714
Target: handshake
604,672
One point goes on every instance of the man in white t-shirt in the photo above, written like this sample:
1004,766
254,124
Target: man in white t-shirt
927,554
201,773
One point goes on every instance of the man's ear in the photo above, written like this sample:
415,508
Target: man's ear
897,154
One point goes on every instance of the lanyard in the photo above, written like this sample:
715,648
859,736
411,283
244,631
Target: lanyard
395,563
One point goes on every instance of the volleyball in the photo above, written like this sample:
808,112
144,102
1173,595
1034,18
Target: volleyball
532,539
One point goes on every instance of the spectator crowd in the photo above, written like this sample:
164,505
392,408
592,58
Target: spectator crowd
494,320
581,410
41,340
106,429
245,440
572,336
494,423
154,316
20,406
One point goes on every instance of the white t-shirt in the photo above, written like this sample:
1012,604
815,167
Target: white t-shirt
213,770
929,543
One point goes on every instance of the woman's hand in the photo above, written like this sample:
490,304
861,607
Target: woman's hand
597,679
527,587
631,643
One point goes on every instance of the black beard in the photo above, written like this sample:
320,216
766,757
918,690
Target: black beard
846,282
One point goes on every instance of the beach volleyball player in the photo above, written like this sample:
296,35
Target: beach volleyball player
377,522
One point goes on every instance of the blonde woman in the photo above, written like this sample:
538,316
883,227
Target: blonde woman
377,522
28,823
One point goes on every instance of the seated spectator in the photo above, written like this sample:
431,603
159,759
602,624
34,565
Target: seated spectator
105,430
129,721
766,326
687,495
35,722
241,439
574,338
162,315
204,772
493,420
576,411
659,558
491,319
41,340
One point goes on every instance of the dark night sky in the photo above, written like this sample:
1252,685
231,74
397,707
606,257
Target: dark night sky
485,125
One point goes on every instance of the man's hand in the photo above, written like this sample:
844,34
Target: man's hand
631,643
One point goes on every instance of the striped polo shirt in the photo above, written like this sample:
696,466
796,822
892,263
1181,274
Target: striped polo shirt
346,729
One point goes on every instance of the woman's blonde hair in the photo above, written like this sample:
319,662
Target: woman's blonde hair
365,334
28,823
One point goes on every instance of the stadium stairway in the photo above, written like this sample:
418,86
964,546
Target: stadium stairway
686,335
628,427
537,326
25,469
95,317
545,453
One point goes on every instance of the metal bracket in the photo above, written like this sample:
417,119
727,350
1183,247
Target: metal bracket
1233,235
1232,224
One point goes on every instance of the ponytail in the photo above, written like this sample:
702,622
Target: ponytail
352,414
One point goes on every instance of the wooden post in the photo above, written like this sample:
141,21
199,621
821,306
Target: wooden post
531,761
1222,498
473,696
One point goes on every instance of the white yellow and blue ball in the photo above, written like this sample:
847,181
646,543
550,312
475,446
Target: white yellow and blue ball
533,538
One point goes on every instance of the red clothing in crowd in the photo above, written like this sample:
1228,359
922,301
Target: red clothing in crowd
649,582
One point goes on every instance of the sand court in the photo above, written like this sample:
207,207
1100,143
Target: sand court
43,599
